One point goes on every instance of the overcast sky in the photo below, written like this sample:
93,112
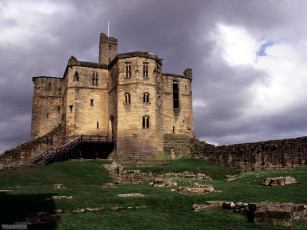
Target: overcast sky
249,58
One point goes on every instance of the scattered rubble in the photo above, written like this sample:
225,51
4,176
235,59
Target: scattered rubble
195,189
109,185
58,186
61,197
131,195
230,177
278,181
162,183
276,214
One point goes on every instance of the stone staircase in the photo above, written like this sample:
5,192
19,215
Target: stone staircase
68,150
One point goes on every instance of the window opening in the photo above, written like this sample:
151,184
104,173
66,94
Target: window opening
97,125
109,47
49,84
146,97
127,98
109,60
59,108
175,95
128,70
47,115
93,79
173,129
145,70
92,102
70,108
97,79
145,122
76,76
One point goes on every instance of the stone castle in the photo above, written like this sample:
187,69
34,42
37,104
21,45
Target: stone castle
126,100
124,97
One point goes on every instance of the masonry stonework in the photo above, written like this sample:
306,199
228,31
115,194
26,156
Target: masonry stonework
124,97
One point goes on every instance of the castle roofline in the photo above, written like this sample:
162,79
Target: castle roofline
136,54
74,62
35,77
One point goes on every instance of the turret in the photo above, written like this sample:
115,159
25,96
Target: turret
107,49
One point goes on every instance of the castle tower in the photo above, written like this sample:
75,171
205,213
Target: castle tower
107,49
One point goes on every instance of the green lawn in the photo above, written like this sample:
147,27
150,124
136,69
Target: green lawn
164,209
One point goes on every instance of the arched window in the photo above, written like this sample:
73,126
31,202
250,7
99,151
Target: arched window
145,122
76,76
127,98
93,79
146,97
145,70
96,79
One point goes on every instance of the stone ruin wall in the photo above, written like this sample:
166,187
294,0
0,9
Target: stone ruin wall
272,154
23,154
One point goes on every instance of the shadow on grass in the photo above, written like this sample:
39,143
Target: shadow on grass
15,209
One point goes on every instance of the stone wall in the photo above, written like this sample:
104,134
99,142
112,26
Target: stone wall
177,146
273,154
121,176
47,105
23,154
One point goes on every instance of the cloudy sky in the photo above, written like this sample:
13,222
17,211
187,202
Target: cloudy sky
249,58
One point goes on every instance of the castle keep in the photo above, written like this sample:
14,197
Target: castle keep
127,109
125,97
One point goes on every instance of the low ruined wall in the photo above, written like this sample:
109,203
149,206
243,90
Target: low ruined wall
121,176
263,155
23,154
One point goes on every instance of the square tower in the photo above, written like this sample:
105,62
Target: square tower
107,49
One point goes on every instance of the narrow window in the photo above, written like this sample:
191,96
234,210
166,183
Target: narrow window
145,70
173,129
59,108
97,79
49,84
47,115
109,47
107,84
175,95
76,76
109,60
145,122
93,79
70,108
146,97
128,70
97,125
92,102
127,98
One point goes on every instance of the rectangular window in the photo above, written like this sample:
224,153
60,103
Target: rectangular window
70,107
92,102
97,125
47,115
145,70
176,95
59,108
128,70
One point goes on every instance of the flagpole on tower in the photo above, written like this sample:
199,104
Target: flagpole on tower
108,28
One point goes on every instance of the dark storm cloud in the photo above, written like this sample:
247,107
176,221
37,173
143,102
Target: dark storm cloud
177,31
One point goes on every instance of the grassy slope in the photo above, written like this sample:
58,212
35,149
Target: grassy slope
165,209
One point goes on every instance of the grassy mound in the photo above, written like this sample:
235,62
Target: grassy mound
164,209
